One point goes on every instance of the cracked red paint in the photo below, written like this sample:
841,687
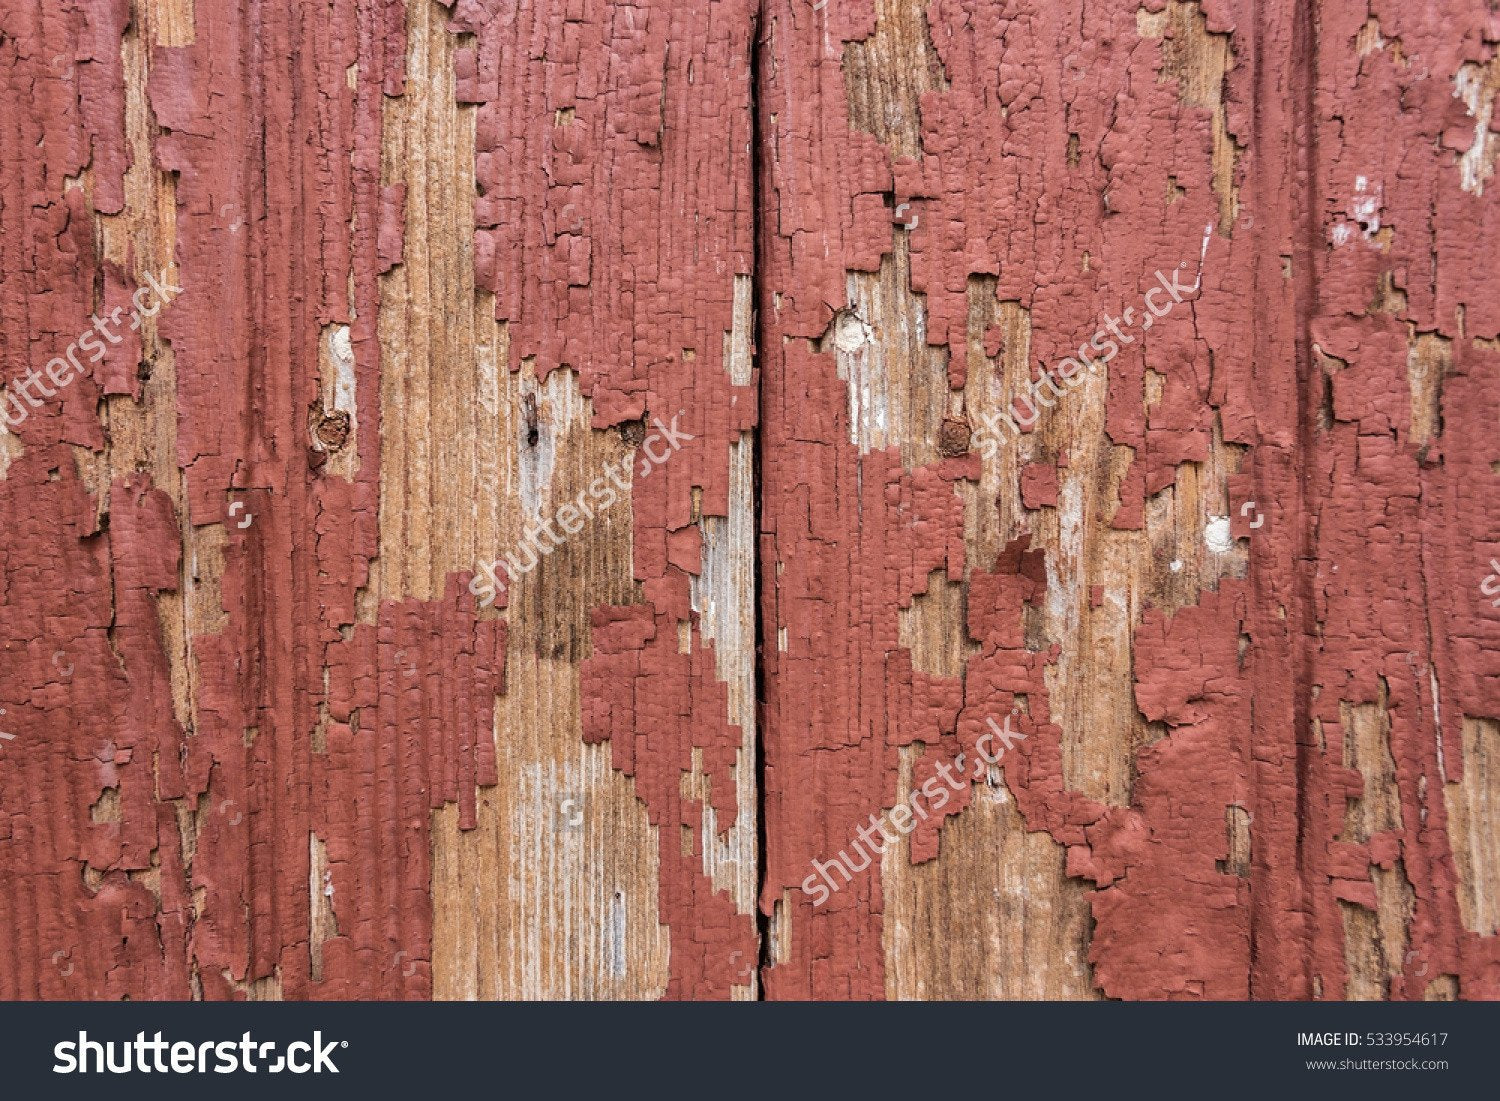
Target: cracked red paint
1005,192
173,791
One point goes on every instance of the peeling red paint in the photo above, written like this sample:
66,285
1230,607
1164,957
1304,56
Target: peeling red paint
131,911
999,196
656,707
1337,355
612,220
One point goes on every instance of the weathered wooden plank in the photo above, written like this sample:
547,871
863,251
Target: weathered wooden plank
1402,329
616,858
286,757
1219,585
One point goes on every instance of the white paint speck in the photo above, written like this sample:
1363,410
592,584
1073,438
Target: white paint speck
1477,163
341,355
862,364
1176,565
851,334
1365,210
1216,534
616,943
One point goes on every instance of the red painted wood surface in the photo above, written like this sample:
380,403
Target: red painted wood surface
1231,586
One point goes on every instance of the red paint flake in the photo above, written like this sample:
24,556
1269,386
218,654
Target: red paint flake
1039,485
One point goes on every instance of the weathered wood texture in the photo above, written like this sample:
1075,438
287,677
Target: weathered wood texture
601,461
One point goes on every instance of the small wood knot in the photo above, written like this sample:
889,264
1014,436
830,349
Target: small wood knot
332,429
953,437
633,432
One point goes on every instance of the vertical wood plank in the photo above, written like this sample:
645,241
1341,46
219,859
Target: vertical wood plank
1133,535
